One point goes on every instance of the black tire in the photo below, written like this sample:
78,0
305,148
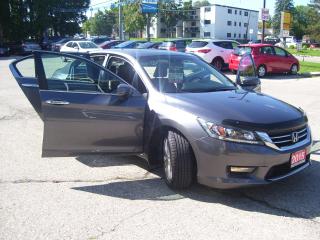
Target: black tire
294,69
262,71
217,63
181,161
234,71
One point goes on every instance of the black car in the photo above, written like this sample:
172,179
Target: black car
57,45
177,45
149,45
4,50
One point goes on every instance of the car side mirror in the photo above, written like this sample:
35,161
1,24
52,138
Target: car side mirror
247,76
124,91
76,47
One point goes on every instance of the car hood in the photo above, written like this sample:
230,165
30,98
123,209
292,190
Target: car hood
249,110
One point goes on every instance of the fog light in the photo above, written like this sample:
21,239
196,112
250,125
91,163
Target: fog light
241,169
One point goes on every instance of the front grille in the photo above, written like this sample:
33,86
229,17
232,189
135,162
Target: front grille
283,169
286,139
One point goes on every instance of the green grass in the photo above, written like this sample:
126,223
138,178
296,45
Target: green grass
306,67
306,52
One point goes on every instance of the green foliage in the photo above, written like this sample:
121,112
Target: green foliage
101,24
134,20
303,17
201,3
21,19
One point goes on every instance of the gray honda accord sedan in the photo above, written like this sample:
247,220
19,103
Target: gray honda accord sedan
171,108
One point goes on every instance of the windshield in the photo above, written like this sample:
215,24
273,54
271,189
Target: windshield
87,45
183,73
241,50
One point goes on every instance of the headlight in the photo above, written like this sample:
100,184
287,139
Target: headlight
228,133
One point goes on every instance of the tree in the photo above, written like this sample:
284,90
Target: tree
201,3
315,4
134,20
281,5
314,28
101,24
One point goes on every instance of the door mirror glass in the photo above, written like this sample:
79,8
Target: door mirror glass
124,91
247,76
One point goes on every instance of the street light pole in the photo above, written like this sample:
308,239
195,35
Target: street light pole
263,23
120,20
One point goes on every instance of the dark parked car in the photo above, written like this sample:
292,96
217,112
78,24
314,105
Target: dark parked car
148,45
129,44
24,47
110,44
57,45
4,50
268,59
99,40
177,45
172,108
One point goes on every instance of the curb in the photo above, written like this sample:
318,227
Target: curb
310,74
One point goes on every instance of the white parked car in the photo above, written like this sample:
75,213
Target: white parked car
215,52
287,42
79,47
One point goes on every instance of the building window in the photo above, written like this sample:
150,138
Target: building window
230,11
162,30
245,24
162,19
234,35
229,23
207,21
194,23
239,35
193,35
228,35
235,12
193,12
240,12
245,36
206,34
235,23
245,13
239,24
207,9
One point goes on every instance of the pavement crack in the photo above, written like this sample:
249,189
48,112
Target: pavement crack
117,225
280,209
21,181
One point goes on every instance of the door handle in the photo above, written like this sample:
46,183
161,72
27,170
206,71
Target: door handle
57,102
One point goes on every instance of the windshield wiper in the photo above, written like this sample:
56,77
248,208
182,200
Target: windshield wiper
208,90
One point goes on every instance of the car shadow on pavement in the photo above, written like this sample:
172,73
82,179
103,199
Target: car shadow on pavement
94,161
284,76
297,196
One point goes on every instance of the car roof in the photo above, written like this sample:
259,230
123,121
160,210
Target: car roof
212,40
256,45
136,52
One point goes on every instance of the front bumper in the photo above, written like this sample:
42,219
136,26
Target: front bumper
215,157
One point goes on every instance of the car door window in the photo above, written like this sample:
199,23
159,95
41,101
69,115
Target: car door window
69,44
123,69
267,50
26,67
98,59
76,74
234,45
280,52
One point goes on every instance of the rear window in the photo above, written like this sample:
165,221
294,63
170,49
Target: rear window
198,44
242,50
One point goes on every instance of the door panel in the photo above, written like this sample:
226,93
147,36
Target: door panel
23,71
82,112
284,64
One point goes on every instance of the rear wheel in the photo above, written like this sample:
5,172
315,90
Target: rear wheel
217,63
178,161
294,69
262,71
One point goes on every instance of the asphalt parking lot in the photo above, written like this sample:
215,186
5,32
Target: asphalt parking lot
99,197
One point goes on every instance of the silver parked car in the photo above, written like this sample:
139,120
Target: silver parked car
173,108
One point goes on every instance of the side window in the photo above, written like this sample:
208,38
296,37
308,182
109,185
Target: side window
26,67
69,44
280,52
266,50
235,44
74,74
74,45
98,59
123,69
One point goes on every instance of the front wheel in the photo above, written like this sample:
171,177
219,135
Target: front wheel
178,161
262,71
217,63
294,69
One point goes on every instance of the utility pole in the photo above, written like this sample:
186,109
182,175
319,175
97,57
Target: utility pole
263,22
120,20
148,27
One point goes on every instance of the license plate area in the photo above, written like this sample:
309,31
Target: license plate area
298,158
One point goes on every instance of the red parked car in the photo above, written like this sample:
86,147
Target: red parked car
110,44
268,59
